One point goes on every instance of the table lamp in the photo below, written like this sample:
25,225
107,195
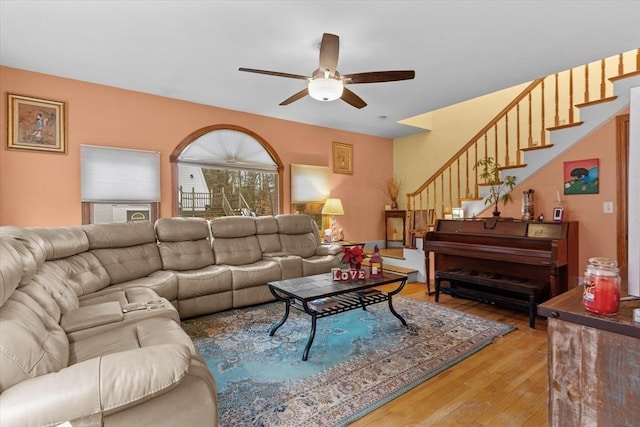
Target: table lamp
333,207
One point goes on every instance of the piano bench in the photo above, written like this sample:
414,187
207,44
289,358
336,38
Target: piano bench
498,289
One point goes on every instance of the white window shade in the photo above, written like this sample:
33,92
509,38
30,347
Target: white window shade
309,183
119,175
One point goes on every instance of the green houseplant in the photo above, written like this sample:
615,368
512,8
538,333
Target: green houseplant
499,190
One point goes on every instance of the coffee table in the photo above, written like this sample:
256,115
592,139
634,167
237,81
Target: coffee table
319,296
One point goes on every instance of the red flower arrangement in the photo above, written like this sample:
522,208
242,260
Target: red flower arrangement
353,256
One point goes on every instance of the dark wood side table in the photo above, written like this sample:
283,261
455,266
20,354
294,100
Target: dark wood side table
392,215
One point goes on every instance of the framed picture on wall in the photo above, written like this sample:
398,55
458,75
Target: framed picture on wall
36,124
342,158
581,177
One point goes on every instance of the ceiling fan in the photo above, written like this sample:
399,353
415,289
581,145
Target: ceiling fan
326,84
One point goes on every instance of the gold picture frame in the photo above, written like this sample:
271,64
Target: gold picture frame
342,158
36,124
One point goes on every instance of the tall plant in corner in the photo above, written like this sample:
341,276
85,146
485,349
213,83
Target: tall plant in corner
499,190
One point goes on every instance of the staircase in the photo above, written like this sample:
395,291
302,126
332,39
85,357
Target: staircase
568,105
547,118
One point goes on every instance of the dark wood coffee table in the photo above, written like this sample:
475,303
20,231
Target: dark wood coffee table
319,296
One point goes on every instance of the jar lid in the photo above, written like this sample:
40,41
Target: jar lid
602,267
603,262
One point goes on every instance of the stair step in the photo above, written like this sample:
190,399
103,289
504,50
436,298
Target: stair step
393,268
537,147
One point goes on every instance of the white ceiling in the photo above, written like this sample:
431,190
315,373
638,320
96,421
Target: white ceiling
191,50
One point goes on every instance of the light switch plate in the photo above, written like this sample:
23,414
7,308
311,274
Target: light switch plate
607,207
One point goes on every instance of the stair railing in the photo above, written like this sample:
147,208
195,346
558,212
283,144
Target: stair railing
546,104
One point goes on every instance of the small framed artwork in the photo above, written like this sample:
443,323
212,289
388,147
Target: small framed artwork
342,158
558,214
36,124
581,177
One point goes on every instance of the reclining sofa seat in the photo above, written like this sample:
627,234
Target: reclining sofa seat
269,240
185,250
299,236
90,305
235,244
146,372
130,255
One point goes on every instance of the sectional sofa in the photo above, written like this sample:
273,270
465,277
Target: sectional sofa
90,316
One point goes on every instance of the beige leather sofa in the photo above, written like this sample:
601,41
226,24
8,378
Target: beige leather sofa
90,316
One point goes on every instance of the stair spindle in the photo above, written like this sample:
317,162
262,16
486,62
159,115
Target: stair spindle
571,104
603,86
543,130
556,119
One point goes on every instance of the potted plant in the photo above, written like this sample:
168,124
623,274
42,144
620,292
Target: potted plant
392,190
499,190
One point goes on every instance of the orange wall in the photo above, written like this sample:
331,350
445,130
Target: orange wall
597,230
43,189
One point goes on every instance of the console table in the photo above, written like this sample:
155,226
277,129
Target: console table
392,215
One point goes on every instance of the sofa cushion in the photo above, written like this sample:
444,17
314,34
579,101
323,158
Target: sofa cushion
232,226
298,235
191,255
28,246
184,243
237,251
119,235
31,342
234,240
144,333
124,264
127,251
12,267
267,232
51,280
82,273
61,242
181,229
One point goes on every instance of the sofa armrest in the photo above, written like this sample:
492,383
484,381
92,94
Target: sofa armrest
89,316
325,250
101,384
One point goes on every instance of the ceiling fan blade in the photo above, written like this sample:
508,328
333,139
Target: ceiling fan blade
329,49
351,98
296,96
274,73
378,76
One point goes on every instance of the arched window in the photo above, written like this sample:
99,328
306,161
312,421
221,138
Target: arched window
226,170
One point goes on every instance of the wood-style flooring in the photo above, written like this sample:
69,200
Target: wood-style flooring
504,384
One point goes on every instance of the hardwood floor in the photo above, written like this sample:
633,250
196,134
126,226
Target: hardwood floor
504,384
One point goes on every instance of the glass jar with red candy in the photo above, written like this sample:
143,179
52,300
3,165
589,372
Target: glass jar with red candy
602,286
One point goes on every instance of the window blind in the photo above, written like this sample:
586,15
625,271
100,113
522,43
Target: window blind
309,183
119,175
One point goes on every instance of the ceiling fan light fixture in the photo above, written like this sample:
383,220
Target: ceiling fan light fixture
325,88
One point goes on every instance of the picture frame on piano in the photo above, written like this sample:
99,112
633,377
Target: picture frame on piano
558,214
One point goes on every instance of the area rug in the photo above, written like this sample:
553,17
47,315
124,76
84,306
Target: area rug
359,360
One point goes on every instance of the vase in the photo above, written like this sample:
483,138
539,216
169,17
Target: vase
394,205
355,266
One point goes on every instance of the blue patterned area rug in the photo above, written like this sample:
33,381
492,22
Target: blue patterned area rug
359,360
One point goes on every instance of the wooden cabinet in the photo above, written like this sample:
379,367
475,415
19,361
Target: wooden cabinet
594,364
394,226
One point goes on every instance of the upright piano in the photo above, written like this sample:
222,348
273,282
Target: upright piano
538,251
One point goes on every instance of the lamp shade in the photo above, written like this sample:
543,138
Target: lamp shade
325,89
333,207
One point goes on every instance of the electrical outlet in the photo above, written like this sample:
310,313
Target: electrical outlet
607,207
